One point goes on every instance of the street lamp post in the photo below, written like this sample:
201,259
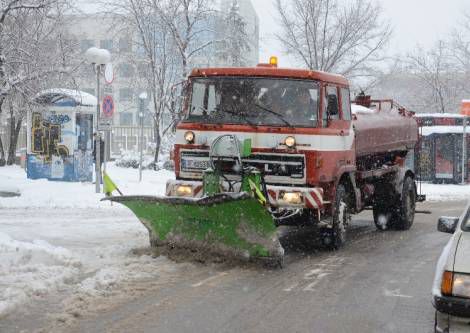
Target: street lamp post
98,58
464,149
142,99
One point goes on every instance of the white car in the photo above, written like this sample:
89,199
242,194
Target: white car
451,289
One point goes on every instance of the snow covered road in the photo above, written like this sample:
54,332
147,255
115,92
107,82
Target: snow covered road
58,238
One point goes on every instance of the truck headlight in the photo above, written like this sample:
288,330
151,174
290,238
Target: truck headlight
184,191
290,141
293,198
189,137
461,285
455,284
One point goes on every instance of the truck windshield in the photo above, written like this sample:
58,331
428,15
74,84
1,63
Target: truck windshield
254,101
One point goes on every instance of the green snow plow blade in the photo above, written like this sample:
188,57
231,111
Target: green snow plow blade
227,224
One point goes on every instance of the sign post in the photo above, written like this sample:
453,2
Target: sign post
107,111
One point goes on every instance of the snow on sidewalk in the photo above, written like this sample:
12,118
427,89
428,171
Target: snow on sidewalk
445,192
58,236
42,193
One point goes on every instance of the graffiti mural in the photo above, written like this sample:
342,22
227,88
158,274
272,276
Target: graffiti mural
60,146
46,136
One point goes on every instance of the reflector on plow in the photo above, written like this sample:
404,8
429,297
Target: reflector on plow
229,224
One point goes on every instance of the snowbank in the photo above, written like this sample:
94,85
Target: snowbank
441,192
68,239
42,193
30,269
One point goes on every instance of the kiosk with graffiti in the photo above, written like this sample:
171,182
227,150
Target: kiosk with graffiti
60,136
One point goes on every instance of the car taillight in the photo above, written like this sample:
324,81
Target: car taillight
446,284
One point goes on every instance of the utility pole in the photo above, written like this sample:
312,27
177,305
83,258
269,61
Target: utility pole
464,149
97,131
142,99
97,58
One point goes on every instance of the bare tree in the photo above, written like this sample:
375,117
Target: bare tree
234,45
188,21
29,58
159,67
460,44
170,34
333,36
439,75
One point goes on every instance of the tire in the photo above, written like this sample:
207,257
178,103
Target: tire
336,236
383,216
384,209
407,205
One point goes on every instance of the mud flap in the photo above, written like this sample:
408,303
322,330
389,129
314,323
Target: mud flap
225,224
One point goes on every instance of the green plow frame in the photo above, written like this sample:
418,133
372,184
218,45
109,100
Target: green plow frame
227,224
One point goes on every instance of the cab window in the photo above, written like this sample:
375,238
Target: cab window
345,104
331,109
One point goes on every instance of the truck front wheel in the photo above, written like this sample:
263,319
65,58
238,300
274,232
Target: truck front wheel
407,206
335,237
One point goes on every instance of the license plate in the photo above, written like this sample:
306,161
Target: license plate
195,164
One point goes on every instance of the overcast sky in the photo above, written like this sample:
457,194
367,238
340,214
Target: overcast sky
413,21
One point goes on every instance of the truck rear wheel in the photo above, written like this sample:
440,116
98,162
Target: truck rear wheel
335,237
383,215
384,209
407,205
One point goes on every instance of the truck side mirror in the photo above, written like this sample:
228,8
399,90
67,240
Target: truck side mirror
447,224
332,108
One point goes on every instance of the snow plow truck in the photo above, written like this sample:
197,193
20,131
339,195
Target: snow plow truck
262,147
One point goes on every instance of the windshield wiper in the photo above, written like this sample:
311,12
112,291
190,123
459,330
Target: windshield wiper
280,116
241,116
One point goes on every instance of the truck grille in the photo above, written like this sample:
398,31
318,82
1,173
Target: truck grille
278,165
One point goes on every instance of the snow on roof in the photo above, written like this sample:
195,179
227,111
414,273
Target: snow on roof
438,115
428,130
355,109
66,97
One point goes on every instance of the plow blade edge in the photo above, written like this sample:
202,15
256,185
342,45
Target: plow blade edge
223,224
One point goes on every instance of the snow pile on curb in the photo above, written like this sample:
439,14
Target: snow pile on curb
9,186
29,269
131,159
441,192
42,193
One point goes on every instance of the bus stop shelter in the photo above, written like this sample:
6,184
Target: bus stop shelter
440,148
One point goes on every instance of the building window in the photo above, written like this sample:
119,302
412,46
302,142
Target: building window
125,118
125,94
141,50
85,44
106,44
142,69
125,45
126,70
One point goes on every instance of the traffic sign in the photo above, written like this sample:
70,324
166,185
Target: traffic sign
109,73
108,106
